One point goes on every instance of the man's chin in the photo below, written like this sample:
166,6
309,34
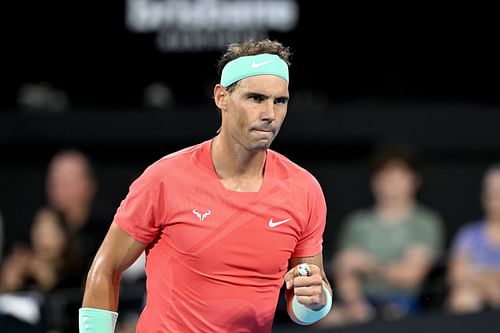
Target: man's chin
261,146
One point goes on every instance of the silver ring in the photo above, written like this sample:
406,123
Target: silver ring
303,269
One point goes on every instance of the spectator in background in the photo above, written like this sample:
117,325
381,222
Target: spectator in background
386,251
49,263
474,268
71,187
33,275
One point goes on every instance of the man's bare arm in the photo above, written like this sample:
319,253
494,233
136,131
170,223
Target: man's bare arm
117,252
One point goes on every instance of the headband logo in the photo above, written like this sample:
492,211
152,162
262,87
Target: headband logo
260,64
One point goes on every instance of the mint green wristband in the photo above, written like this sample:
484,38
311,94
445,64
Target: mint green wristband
307,316
92,320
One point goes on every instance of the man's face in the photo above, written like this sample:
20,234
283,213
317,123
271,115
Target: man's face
394,181
68,184
255,111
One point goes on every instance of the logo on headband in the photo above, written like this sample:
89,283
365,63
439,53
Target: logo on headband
260,64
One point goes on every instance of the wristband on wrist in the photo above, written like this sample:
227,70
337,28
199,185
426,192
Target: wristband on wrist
92,320
308,316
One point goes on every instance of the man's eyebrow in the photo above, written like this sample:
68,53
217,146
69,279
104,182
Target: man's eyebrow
256,94
285,98
264,96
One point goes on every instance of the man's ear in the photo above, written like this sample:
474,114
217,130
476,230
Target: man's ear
220,96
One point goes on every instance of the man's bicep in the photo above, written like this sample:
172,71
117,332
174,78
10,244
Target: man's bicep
118,250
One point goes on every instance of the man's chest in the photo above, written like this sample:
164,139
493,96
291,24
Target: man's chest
217,232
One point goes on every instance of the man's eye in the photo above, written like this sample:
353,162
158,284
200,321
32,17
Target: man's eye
256,98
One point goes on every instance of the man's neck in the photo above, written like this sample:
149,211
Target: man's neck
395,210
238,168
76,217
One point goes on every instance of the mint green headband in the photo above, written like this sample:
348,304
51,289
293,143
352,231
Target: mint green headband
260,64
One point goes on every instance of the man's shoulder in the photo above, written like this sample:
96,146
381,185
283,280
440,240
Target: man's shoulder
286,167
179,156
360,217
174,163
427,214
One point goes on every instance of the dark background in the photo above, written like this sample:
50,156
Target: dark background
423,76
343,53
362,77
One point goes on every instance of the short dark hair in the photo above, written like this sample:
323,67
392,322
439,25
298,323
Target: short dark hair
386,156
252,47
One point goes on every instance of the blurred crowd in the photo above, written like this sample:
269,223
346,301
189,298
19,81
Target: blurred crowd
392,257
48,273
389,260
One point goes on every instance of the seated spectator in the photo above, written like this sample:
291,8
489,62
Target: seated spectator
386,251
474,268
50,263
71,187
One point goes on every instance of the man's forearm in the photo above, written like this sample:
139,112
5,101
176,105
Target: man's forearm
101,292
404,275
100,301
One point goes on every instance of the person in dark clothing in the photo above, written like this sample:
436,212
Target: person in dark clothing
71,187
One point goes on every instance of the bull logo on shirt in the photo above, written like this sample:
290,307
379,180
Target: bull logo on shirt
202,216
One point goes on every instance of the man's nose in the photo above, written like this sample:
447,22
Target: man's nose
268,112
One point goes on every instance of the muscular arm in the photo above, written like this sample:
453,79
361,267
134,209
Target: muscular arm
117,252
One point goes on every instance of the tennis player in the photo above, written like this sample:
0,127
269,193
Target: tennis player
224,223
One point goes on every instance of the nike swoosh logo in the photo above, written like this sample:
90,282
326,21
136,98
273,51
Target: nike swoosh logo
260,64
275,224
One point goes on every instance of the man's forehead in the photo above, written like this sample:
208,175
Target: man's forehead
264,84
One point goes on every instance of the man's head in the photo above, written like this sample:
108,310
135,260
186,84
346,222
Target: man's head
252,95
491,192
253,48
70,181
